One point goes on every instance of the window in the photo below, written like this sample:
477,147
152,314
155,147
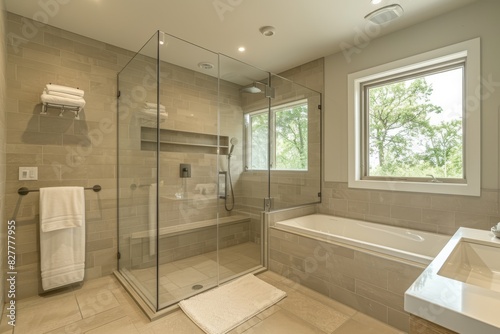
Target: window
414,123
414,126
289,134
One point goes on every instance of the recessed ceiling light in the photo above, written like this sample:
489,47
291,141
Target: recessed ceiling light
205,65
267,31
376,2
241,49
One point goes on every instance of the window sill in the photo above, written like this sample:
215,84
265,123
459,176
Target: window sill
465,189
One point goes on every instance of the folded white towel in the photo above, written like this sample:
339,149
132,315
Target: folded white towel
68,96
61,207
149,105
69,102
64,89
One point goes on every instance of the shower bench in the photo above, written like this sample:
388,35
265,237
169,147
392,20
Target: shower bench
185,240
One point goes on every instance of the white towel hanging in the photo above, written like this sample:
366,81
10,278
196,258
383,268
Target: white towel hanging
62,236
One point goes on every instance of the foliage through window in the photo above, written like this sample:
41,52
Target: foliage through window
288,136
413,126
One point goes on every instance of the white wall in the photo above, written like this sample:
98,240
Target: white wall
476,20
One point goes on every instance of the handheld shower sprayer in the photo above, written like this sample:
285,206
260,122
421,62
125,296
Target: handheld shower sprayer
233,142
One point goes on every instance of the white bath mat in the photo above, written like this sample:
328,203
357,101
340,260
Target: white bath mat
219,310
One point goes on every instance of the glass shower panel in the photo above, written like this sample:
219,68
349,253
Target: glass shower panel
189,146
243,108
295,143
137,205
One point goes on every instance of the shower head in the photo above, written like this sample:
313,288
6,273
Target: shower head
253,89
233,142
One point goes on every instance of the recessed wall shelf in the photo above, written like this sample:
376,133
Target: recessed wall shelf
183,141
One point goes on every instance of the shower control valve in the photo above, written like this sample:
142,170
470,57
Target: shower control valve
185,171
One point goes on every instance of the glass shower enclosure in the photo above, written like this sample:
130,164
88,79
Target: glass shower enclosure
189,198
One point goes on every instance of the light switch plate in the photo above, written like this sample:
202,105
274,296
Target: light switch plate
28,173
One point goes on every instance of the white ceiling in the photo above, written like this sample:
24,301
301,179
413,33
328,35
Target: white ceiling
305,29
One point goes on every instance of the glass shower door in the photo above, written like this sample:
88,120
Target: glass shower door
243,110
188,176
137,168
295,142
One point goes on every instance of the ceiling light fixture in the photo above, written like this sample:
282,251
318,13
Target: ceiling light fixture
161,38
241,49
385,14
267,31
376,2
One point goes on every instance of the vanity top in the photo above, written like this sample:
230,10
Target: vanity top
459,288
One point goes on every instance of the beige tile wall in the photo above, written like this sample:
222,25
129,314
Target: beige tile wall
428,212
3,216
66,151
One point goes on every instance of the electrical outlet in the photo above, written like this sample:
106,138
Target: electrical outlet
28,173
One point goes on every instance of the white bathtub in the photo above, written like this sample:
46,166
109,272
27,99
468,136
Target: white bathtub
412,245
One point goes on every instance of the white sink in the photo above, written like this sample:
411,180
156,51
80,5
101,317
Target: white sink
474,263
460,289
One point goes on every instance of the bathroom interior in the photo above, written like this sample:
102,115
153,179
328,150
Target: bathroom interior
182,140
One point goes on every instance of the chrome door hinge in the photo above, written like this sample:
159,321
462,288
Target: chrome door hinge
268,204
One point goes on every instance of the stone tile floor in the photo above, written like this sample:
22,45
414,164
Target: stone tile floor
103,306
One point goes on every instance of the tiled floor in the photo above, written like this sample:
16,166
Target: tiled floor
103,306
177,278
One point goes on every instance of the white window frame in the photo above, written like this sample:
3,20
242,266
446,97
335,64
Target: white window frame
272,121
468,50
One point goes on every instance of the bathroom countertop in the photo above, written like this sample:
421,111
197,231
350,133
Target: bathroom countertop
461,307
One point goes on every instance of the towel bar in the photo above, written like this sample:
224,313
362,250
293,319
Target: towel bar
24,191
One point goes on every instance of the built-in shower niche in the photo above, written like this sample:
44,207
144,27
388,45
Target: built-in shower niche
183,141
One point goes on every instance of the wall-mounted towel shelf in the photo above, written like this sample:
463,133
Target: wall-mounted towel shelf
63,108
64,98
24,191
